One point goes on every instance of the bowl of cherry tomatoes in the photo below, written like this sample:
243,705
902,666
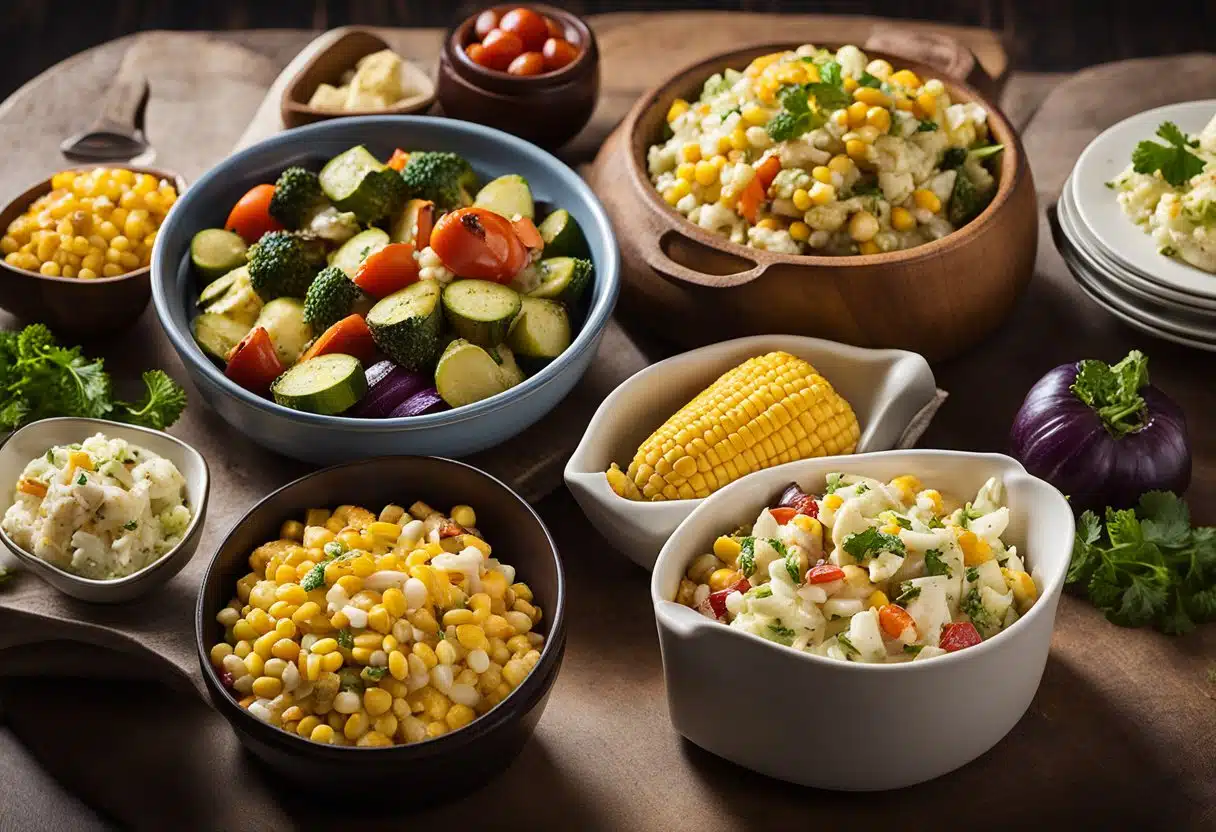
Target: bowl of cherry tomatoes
528,70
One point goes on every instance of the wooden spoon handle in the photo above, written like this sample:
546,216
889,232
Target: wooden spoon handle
657,258
124,102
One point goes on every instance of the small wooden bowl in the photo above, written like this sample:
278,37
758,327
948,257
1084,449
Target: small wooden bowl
697,287
547,109
72,307
327,66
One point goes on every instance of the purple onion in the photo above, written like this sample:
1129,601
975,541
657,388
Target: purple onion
388,386
1102,456
791,495
421,403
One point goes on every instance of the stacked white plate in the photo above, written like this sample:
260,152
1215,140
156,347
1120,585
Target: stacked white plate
1114,260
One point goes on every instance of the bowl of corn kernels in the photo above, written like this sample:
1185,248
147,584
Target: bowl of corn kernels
76,247
390,613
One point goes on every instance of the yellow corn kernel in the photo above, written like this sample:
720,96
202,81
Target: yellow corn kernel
49,269
771,223
868,247
891,529
800,231
678,108
857,113
879,118
389,531
351,584
472,637
686,171
459,716
323,734
691,152
286,649
841,119
720,579
379,619
801,199
377,701
678,191
902,219
727,548
976,550
738,139
870,96
857,149
905,78
425,652
927,200
850,84
1024,590
332,662
840,164
877,599
755,115
706,173
808,524
833,501
904,104
822,194
935,497
822,173
312,667
863,226
322,646
907,485
496,626
926,104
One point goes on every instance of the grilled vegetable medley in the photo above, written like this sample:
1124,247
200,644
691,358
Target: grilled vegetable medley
869,571
810,152
771,409
353,629
387,289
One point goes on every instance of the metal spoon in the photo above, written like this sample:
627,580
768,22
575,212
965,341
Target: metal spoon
118,133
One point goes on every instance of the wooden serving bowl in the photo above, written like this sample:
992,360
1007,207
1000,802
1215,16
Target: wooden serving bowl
697,287
327,66
547,109
70,306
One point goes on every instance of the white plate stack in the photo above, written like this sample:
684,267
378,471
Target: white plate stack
1115,261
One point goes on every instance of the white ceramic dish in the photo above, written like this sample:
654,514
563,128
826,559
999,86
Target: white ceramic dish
1092,251
886,388
1104,159
34,439
964,702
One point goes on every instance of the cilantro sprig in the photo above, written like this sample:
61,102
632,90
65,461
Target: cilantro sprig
868,544
1147,566
40,379
1174,159
1113,391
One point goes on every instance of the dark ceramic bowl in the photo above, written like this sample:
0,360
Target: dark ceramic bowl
71,307
450,764
547,109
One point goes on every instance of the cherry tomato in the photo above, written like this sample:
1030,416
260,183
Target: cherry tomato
558,53
500,48
349,336
824,573
253,363
387,270
556,30
487,22
528,25
782,514
250,217
717,600
529,63
894,620
806,504
957,636
476,53
477,243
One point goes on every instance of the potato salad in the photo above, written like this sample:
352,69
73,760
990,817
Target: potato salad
814,152
870,571
1169,190
101,509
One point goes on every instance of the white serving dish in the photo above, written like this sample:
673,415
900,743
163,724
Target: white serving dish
755,703
886,388
1105,158
34,439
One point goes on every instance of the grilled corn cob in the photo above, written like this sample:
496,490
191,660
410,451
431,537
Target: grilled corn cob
771,409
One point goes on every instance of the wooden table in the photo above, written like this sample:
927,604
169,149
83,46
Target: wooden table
1114,739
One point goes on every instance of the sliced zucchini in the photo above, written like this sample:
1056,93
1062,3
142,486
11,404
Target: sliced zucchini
215,252
562,236
466,373
219,287
327,384
217,335
233,297
408,324
283,319
355,250
344,179
415,223
480,311
563,278
507,195
542,329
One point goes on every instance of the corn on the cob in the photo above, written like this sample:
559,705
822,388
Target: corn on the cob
769,410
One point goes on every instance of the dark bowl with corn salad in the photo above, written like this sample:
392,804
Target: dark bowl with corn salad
354,737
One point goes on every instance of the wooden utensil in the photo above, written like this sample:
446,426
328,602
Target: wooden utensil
118,133
696,287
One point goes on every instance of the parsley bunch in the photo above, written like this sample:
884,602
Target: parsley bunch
40,379
1147,565
1174,159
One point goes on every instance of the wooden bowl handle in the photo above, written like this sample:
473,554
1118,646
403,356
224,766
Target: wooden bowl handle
655,257
940,51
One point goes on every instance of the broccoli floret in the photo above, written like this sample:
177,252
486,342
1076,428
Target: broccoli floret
381,194
297,196
444,178
330,298
282,264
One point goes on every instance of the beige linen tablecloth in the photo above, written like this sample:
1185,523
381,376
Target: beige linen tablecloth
1121,732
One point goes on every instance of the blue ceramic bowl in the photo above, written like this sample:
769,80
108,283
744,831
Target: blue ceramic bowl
330,439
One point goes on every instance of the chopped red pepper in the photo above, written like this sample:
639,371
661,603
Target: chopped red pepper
782,514
253,363
387,270
717,600
806,504
398,159
894,619
957,636
824,573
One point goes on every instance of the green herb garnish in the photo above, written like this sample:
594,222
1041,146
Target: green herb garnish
1174,159
926,126
953,158
847,646
829,73
375,674
972,573
867,544
747,556
935,564
913,649
862,488
908,593
82,480
50,456
974,607
780,634
764,591
316,576
345,639
795,117
868,80
834,481
131,525
1113,391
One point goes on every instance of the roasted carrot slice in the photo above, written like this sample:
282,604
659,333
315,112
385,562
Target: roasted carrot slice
398,159
349,336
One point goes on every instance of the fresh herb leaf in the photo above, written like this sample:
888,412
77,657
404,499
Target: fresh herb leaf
867,544
828,97
374,673
161,405
972,573
334,549
131,525
50,456
781,634
868,80
847,646
909,593
764,591
834,481
953,158
913,649
935,564
1174,159
1113,391
82,480
935,522
926,126
747,556
974,608
345,639
862,488
903,522
985,151
792,565
1167,251
866,187
314,578
829,73
795,117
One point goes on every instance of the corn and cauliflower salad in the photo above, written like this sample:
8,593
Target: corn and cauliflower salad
771,409
871,571
814,152
101,509
366,630
1169,190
